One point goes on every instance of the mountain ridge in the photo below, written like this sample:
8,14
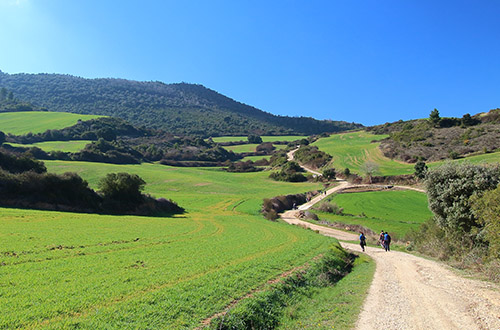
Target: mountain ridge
180,108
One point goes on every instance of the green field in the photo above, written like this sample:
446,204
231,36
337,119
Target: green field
255,158
19,123
395,211
264,138
241,148
68,270
352,150
66,146
249,148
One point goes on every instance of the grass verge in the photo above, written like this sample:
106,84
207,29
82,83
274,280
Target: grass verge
333,307
287,304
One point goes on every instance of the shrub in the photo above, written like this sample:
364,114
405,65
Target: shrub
122,187
449,188
487,209
24,163
329,207
420,169
329,174
254,139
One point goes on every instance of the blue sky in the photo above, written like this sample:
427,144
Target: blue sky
361,61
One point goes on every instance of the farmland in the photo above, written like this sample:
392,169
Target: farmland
352,150
267,138
249,148
66,270
394,211
19,123
66,146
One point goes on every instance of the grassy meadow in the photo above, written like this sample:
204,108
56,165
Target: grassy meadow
250,148
267,138
353,149
66,146
396,211
242,148
69,270
19,123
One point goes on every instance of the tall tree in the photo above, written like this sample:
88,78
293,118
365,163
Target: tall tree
434,116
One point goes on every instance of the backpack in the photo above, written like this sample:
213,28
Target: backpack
388,238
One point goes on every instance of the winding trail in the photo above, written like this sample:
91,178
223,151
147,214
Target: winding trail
409,292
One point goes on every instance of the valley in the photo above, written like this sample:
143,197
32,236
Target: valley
206,266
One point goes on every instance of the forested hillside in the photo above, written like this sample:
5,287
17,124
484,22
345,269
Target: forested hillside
182,109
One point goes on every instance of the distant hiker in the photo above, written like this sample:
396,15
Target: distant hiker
387,242
294,206
381,239
362,240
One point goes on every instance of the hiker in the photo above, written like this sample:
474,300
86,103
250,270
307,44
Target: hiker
362,240
294,206
381,239
387,242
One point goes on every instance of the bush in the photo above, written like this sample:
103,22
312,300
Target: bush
449,188
243,167
312,156
329,174
15,164
329,207
122,187
420,169
254,139
487,209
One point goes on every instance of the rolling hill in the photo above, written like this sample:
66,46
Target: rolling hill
182,109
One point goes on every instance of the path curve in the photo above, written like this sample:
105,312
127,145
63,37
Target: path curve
409,292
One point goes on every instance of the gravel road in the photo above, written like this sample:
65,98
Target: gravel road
409,292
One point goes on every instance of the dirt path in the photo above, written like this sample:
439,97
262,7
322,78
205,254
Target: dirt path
409,292
289,156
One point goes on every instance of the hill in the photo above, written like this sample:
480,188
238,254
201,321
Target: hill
440,138
182,109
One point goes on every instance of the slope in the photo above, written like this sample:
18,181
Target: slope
183,109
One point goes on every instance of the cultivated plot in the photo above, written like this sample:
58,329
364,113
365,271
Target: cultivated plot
19,123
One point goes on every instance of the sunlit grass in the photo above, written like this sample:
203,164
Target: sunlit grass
67,270
352,150
395,211
19,123
66,146
264,138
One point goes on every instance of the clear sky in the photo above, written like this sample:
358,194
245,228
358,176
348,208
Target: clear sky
361,61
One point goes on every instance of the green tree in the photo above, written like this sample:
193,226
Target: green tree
487,209
420,169
254,139
329,174
449,189
122,187
3,94
2,137
467,120
434,117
